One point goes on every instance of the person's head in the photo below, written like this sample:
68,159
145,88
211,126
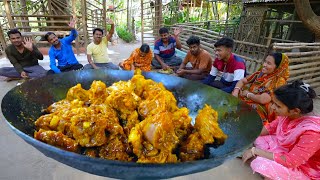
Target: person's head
194,45
15,37
164,34
97,35
52,38
293,100
144,50
271,63
223,48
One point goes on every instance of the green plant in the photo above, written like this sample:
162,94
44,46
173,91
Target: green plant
124,34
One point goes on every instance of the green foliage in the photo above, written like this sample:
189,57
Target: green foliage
124,34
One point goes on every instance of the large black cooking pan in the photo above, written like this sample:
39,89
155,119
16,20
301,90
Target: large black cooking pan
23,104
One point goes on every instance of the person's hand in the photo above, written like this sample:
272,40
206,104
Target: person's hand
180,72
73,22
177,31
244,93
138,64
27,43
247,154
24,74
165,66
96,67
109,21
235,92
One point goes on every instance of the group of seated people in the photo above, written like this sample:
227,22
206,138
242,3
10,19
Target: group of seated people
289,145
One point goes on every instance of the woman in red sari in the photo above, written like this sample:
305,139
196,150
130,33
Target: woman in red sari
289,147
256,90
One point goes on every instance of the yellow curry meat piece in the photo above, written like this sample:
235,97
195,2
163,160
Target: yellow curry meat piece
136,120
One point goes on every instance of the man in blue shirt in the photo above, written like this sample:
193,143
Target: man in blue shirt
164,49
61,50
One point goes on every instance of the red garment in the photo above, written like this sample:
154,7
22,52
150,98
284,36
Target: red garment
298,142
233,70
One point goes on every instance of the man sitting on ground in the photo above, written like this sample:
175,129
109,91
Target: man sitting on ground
61,50
231,66
24,56
164,49
97,51
200,60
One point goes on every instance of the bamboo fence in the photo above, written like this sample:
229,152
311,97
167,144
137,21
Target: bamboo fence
304,61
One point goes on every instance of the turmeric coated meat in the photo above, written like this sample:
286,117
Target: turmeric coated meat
136,120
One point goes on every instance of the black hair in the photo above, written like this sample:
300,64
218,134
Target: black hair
97,29
227,42
163,30
193,40
48,34
277,58
145,48
296,95
13,31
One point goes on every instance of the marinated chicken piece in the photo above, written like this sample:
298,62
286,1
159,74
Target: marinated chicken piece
97,92
43,122
112,121
206,131
76,92
89,129
138,82
154,139
182,123
58,106
208,127
130,122
91,152
192,149
115,149
57,139
151,89
162,102
122,98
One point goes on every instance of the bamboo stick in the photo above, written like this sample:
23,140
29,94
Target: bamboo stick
304,59
43,21
8,13
315,85
295,72
295,47
60,16
298,54
2,39
304,65
303,76
84,23
297,44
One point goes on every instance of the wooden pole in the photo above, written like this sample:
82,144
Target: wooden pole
2,39
104,14
84,23
8,13
50,11
74,12
142,23
24,11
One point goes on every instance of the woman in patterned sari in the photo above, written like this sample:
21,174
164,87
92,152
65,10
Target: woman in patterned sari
256,90
140,58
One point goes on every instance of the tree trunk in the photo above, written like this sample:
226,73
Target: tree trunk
307,16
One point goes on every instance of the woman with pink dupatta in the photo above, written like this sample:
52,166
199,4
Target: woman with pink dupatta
289,147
